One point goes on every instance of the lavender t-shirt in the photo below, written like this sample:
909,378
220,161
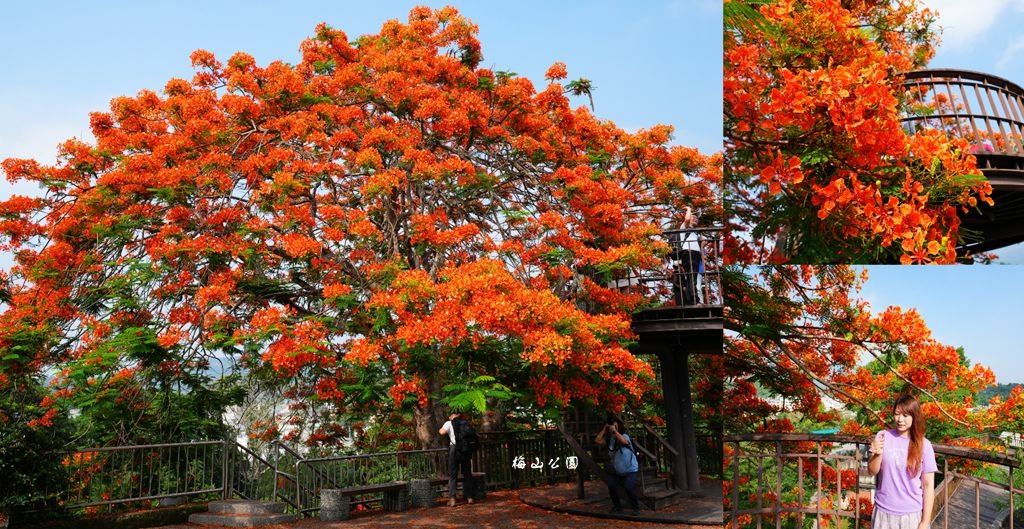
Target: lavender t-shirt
898,492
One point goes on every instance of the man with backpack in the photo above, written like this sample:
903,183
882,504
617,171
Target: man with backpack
625,467
463,441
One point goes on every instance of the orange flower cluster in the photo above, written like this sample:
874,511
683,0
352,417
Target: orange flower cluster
806,334
481,301
820,167
385,203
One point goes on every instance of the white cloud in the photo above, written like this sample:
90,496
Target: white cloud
1011,53
964,22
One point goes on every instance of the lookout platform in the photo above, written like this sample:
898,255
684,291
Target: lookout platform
988,112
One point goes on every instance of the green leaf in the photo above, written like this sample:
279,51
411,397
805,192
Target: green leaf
479,401
743,16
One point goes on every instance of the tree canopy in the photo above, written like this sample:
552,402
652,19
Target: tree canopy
819,168
802,333
381,220
799,336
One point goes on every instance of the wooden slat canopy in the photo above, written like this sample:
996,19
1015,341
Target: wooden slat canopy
988,112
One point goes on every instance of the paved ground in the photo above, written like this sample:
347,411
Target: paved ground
522,509
697,510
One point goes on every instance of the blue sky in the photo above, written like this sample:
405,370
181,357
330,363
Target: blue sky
981,35
650,62
977,307
984,36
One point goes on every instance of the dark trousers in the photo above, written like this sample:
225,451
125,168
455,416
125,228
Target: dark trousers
457,460
629,483
684,284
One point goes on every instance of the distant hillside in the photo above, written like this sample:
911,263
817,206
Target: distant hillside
1002,390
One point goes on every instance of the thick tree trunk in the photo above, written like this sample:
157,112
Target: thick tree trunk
428,420
493,419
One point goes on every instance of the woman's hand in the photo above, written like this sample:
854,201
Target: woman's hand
878,445
875,460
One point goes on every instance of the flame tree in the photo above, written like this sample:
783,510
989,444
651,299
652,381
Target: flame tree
819,168
384,218
802,332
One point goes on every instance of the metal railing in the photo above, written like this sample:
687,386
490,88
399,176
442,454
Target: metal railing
537,452
985,110
316,474
781,480
255,477
691,276
709,455
509,460
696,260
143,476
124,474
652,438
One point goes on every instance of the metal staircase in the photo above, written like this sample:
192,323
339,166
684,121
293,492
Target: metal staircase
655,485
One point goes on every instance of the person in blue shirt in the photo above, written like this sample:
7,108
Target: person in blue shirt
625,467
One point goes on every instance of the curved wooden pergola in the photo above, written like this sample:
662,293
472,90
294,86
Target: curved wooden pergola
988,112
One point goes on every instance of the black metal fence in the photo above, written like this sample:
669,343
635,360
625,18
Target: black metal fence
144,476
695,266
316,474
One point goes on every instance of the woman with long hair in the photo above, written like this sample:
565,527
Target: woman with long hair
905,463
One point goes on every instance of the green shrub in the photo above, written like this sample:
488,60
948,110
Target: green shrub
30,474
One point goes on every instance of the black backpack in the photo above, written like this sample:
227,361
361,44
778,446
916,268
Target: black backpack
466,440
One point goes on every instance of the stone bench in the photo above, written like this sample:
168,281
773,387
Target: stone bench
335,504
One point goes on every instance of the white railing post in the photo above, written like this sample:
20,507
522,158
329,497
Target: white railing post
277,457
225,473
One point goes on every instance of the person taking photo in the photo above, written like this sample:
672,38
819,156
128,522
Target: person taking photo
625,467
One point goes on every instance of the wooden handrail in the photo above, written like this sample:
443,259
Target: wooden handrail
582,454
652,431
759,462
940,449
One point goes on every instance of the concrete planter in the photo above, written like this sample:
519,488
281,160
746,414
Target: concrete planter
333,505
422,494
479,491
